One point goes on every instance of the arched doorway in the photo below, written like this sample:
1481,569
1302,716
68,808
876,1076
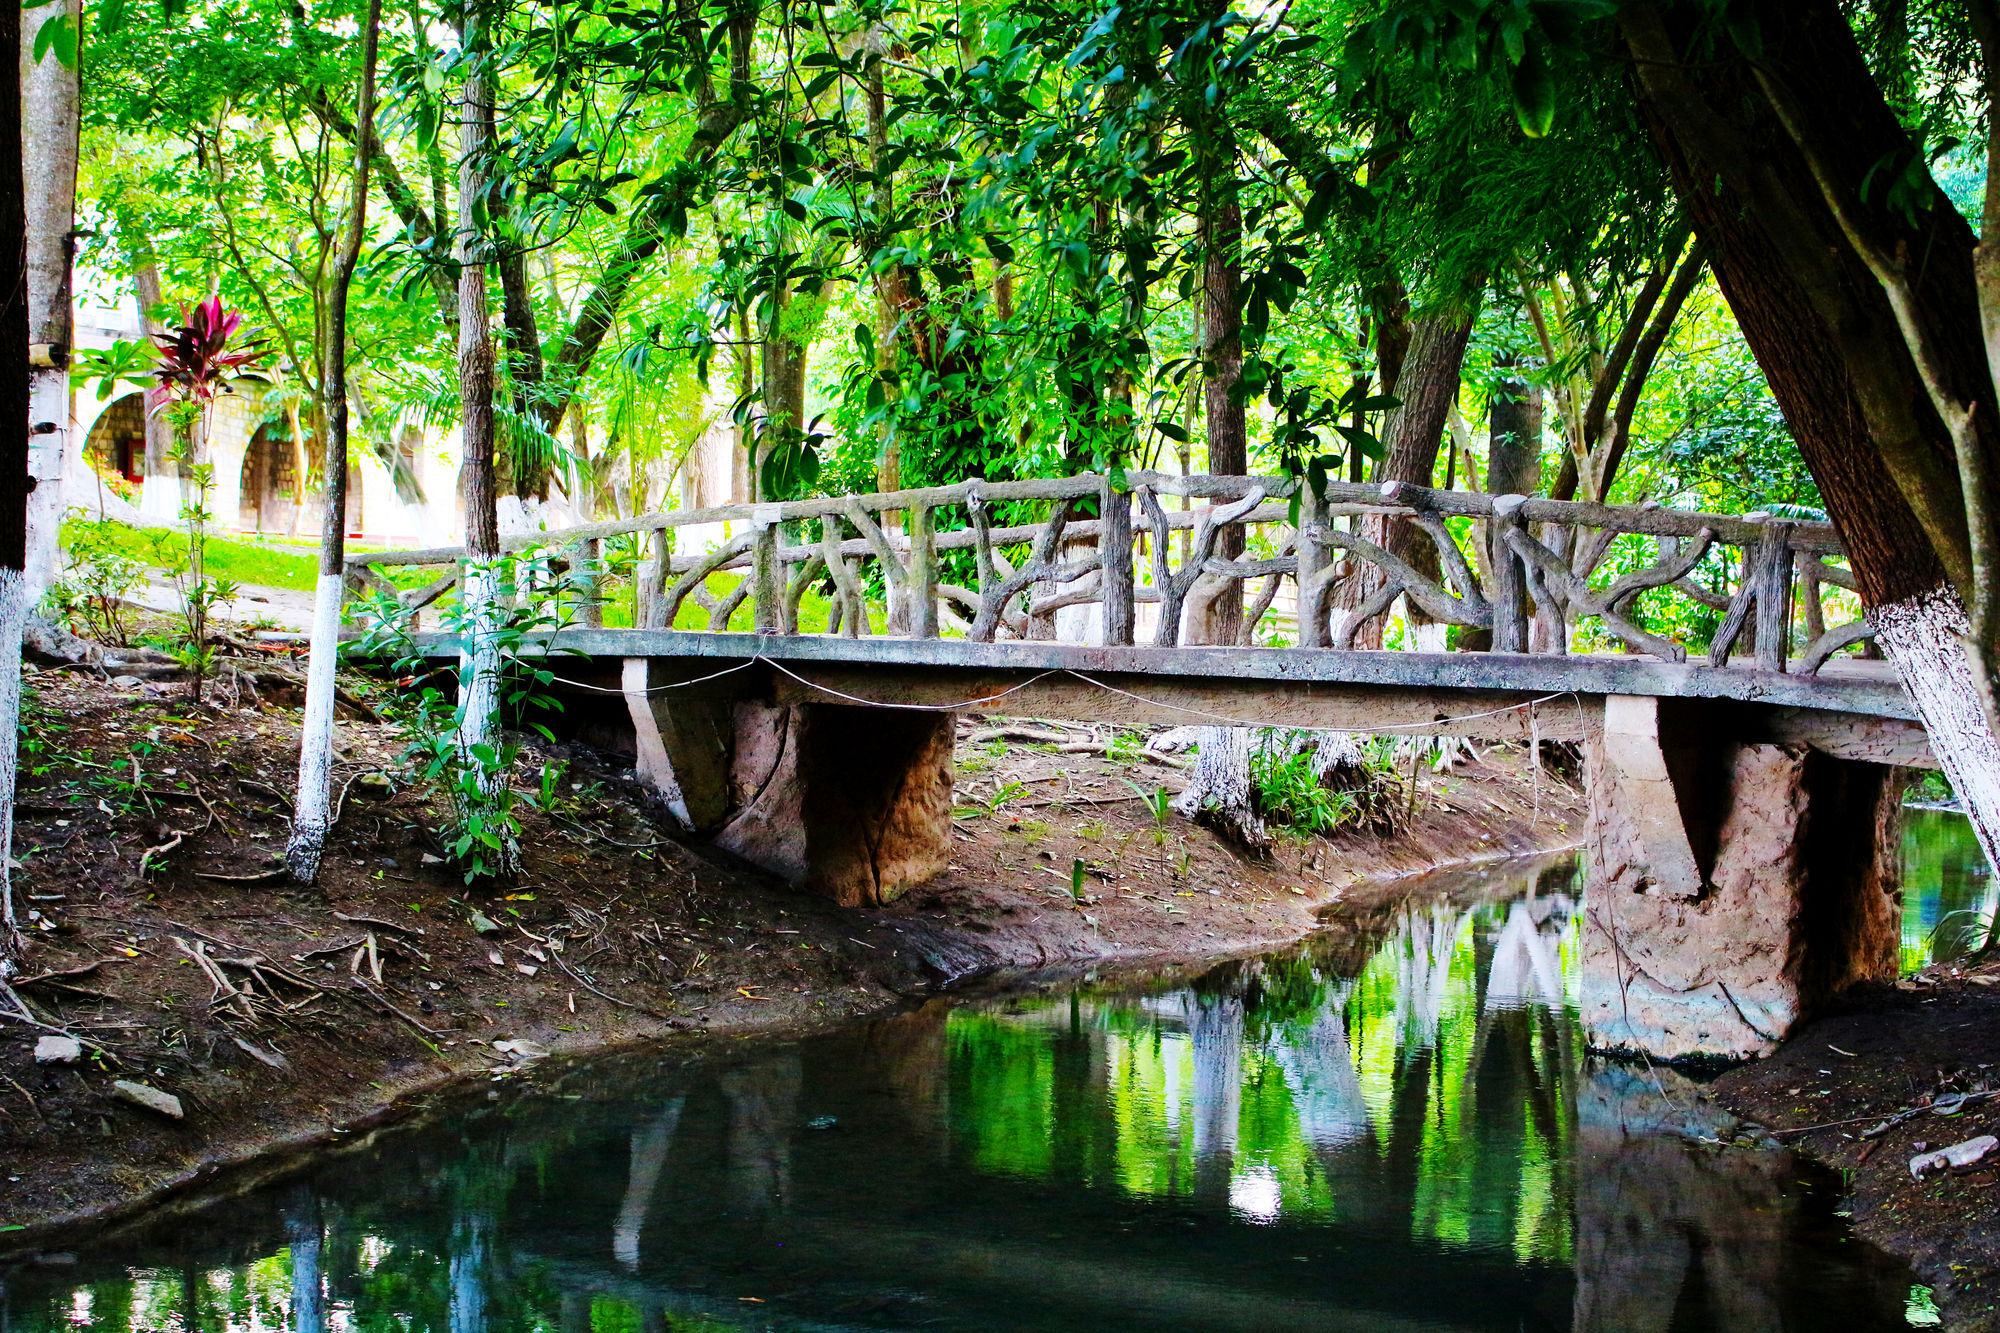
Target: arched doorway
269,498
116,446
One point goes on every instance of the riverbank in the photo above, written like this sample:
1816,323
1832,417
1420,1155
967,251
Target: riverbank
270,1015
1893,1071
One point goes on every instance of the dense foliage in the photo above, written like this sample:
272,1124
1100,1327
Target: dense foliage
902,242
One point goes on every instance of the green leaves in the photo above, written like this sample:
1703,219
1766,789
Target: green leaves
1509,39
57,36
1534,94
125,360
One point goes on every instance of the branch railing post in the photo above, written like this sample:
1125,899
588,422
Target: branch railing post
767,582
650,587
1510,627
923,576
1315,572
590,584
1114,548
1809,596
1774,595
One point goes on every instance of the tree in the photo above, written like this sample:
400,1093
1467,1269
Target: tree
1864,311
310,812
479,741
49,94
14,405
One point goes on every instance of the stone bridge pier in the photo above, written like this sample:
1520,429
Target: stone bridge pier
1736,881
852,803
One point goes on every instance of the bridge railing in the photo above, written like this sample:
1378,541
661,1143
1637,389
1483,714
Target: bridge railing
1519,573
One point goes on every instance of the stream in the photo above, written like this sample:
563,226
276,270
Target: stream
1392,1125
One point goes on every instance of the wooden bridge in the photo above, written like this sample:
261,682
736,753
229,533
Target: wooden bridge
1751,755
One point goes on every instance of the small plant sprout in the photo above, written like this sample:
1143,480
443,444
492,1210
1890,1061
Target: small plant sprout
1159,804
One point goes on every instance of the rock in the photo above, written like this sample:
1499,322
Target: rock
55,1049
1957,1155
127,681
49,644
152,1099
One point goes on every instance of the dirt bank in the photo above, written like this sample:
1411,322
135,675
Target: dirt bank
147,829
1867,1087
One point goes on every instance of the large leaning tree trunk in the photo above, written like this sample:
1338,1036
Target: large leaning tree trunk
13,462
1827,335
1425,387
479,675
310,812
48,168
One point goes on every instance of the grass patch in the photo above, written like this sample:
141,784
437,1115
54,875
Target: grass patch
267,563
237,559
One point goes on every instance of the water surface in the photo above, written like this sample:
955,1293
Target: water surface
1949,895
1392,1126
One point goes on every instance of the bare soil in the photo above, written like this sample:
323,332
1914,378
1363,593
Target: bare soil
1895,1071
148,828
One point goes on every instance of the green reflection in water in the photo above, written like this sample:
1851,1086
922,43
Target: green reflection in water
1949,895
1298,1087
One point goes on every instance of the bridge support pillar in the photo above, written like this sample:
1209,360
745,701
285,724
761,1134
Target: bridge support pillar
850,803
853,804
1734,885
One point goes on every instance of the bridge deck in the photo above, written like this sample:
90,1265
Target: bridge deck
1857,709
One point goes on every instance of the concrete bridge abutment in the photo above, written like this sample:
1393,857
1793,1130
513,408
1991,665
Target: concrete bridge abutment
851,803
1736,883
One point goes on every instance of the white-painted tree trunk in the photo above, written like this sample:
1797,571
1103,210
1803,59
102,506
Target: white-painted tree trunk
1925,637
305,1237
647,1162
1218,788
48,406
479,678
49,125
13,613
312,817
465,1310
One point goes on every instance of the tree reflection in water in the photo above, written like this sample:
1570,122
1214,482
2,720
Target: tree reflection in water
1389,1126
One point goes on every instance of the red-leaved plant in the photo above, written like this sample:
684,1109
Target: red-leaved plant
196,365
196,360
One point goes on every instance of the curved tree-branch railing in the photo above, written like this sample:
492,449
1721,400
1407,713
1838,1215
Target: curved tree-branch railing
1522,573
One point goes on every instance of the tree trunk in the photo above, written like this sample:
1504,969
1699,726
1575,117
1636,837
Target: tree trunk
1513,461
479,673
146,288
782,375
1219,243
1427,386
1826,338
49,99
892,284
310,812
1218,790
743,471
1222,354
1513,432
525,372
14,401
